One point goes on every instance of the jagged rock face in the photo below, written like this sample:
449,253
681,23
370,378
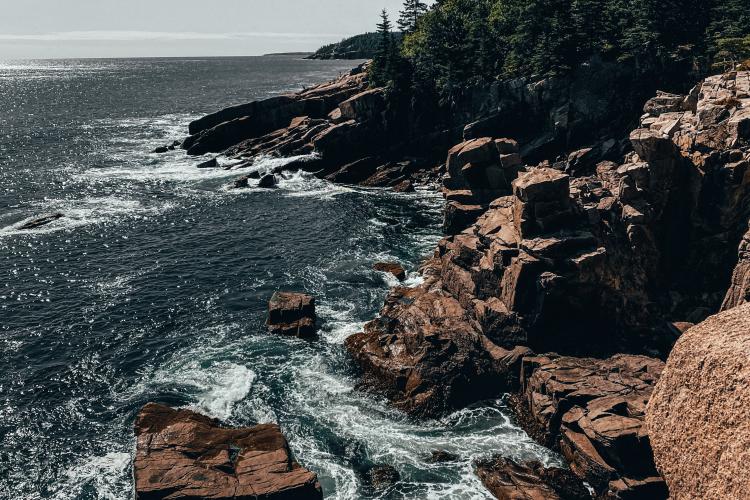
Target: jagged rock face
428,356
508,480
594,410
184,455
589,265
698,418
739,290
226,128
478,171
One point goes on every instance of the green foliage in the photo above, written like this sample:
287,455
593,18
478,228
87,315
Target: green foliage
729,33
461,41
410,14
363,46
388,67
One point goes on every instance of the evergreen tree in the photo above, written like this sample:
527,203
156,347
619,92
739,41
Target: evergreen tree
408,17
382,62
729,33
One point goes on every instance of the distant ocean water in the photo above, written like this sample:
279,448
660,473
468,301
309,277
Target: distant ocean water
154,286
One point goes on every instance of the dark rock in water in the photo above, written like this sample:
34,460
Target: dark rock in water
406,186
212,163
40,221
442,456
291,313
174,145
382,477
161,149
267,181
241,182
594,411
509,480
391,267
183,455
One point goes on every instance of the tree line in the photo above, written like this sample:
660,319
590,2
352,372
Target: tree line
456,42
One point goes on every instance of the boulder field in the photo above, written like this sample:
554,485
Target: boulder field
564,281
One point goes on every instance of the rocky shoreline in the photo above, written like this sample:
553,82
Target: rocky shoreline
597,265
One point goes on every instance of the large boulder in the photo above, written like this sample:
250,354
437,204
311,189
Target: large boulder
698,418
593,410
291,313
183,455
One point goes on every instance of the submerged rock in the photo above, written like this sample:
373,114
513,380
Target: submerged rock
40,221
442,456
267,181
698,418
181,454
212,163
391,267
381,477
509,480
291,313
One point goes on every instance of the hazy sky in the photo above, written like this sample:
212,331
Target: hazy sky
122,28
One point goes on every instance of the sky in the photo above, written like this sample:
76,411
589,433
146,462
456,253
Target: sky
159,28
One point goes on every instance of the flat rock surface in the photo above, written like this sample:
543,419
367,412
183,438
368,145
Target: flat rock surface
181,454
699,415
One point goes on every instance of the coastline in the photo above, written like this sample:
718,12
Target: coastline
531,249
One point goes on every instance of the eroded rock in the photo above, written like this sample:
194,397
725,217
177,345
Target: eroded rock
593,411
291,313
393,268
181,454
509,480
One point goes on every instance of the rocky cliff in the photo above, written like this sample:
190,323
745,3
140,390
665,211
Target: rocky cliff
604,255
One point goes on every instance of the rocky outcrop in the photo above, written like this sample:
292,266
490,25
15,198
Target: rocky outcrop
428,355
392,268
292,313
226,128
181,454
509,480
478,171
698,418
593,411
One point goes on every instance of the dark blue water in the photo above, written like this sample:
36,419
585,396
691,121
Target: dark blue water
154,285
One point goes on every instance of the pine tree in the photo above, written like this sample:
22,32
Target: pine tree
381,63
408,17
729,33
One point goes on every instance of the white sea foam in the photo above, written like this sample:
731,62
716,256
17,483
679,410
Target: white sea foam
83,212
108,475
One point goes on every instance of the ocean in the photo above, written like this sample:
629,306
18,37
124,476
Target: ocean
154,287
